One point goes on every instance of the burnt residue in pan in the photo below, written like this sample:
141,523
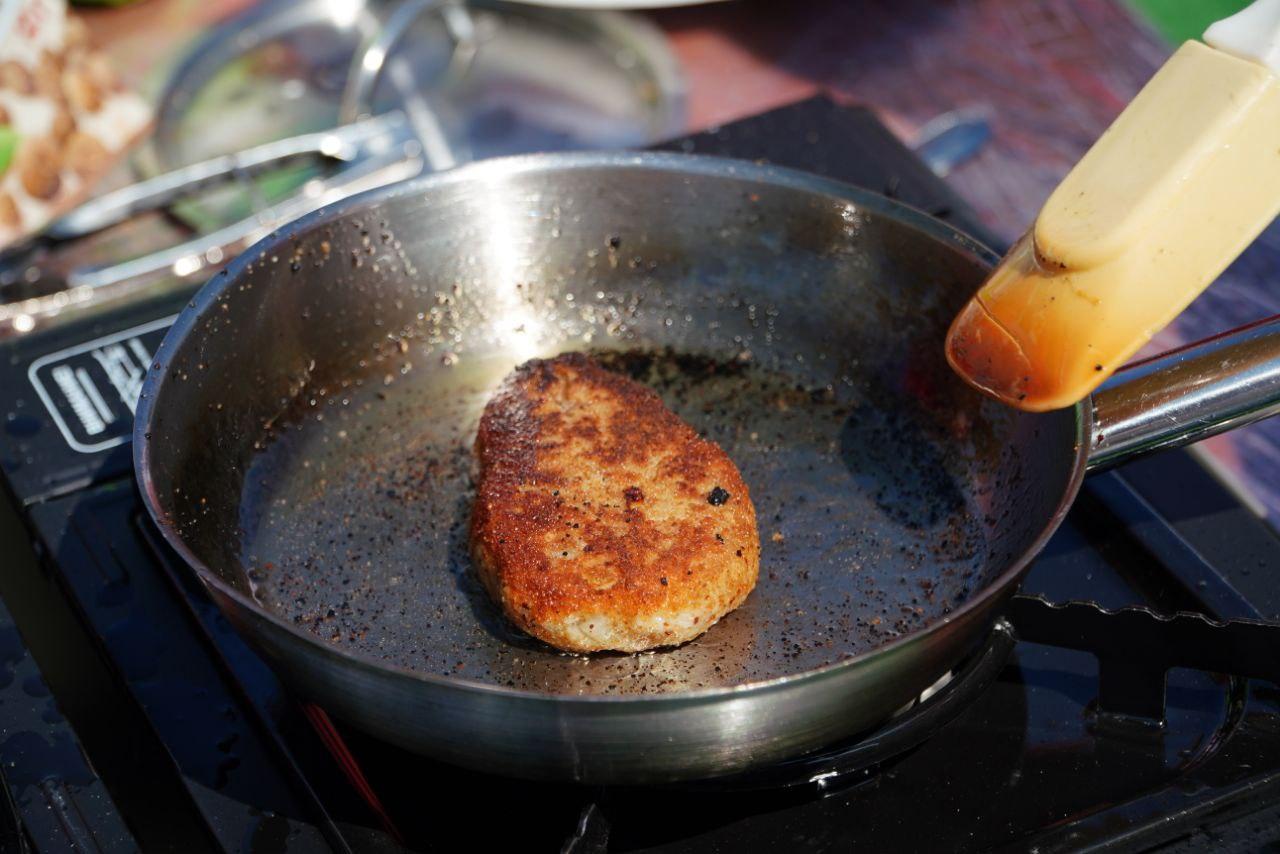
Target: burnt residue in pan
355,518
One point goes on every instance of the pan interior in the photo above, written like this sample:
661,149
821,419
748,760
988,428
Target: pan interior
358,527
798,331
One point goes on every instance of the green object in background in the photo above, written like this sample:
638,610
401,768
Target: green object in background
8,145
1180,20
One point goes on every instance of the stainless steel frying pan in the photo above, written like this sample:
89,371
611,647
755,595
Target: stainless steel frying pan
303,441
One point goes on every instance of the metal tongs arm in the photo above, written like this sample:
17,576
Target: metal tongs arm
341,143
376,152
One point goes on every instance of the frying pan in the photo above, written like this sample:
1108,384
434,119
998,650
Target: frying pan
303,441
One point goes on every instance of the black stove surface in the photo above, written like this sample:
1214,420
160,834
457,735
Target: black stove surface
164,731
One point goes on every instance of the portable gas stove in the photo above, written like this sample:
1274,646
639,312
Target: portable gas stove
1129,701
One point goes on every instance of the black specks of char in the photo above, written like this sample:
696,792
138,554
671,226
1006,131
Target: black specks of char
718,496
673,374
356,525
633,495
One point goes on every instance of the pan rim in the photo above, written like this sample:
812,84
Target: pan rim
679,163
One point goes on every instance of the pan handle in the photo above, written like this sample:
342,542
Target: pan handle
1188,394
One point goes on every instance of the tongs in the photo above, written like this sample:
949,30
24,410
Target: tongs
375,152
38,282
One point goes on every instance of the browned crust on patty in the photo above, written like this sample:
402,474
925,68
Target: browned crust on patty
602,520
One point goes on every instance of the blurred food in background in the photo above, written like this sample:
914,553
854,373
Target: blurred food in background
65,116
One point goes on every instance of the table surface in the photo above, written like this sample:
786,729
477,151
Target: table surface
1049,75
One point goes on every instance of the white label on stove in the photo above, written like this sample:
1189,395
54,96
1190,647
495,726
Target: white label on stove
91,390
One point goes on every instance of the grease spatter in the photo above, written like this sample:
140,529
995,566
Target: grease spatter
370,552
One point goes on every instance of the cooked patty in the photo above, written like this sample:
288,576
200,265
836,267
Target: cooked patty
602,521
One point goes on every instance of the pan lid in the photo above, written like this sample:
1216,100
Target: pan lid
477,80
